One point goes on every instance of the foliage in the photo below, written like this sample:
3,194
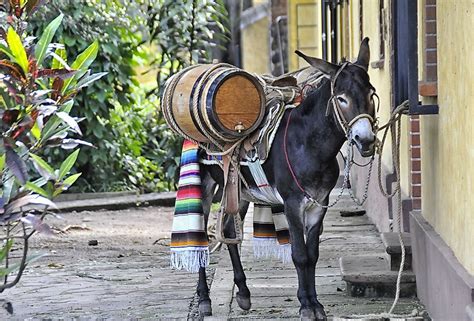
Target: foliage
144,144
179,33
37,88
185,32
135,150
116,26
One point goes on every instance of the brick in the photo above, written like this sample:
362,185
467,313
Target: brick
428,89
430,12
416,178
431,56
414,125
416,165
416,203
430,27
415,139
431,42
431,73
415,152
416,190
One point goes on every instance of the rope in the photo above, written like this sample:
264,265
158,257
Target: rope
394,126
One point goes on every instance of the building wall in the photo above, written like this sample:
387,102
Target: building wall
448,139
304,21
255,46
380,73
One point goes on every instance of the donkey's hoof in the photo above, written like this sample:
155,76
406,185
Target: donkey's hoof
205,308
320,315
307,314
243,302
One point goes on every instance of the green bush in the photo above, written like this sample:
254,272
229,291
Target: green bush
111,24
134,148
37,88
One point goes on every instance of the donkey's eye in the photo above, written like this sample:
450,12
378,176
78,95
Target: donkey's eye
342,100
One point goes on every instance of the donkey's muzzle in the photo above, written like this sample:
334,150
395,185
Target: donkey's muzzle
367,149
363,137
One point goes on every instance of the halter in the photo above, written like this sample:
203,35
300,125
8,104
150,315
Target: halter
338,114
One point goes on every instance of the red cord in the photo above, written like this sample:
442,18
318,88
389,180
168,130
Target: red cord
286,154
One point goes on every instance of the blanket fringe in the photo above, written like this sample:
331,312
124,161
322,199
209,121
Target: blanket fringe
189,260
269,248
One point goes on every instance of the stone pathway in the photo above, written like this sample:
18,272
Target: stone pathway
127,275
273,285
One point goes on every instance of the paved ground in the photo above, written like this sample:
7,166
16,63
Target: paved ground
127,275
273,285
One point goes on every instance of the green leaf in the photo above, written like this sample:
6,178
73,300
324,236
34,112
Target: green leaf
6,248
82,62
71,179
17,49
17,165
16,266
68,164
46,37
6,51
60,53
40,162
2,162
36,131
86,81
52,124
36,189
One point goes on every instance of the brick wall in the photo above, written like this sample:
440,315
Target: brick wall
415,163
428,87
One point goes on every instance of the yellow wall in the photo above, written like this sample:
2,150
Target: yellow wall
381,78
255,47
448,139
304,17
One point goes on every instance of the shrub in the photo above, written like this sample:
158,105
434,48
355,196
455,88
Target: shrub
37,88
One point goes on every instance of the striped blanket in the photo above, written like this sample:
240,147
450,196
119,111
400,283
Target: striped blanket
189,242
271,237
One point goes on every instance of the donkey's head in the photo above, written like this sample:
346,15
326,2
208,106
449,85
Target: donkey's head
352,97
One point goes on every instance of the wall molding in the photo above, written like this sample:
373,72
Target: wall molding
443,285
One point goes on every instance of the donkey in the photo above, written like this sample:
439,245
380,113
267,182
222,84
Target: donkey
302,168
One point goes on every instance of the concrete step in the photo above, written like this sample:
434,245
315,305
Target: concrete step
394,249
370,276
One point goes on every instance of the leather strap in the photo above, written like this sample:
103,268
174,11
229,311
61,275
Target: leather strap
231,185
230,198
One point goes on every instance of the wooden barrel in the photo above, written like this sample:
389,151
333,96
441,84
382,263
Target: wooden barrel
213,102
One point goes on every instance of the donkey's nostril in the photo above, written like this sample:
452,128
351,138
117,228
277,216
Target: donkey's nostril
356,137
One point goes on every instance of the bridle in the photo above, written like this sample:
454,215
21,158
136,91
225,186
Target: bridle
345,125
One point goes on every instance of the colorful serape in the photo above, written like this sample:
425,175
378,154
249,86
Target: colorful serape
271,237
189,243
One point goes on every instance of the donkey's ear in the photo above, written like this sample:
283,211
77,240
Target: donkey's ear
322,65
364,54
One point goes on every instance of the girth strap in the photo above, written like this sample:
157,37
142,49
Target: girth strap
230,199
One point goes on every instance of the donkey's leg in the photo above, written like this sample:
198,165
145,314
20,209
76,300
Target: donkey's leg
314,221
208,190
243,295
299,255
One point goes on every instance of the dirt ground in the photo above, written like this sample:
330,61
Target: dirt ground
126,275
